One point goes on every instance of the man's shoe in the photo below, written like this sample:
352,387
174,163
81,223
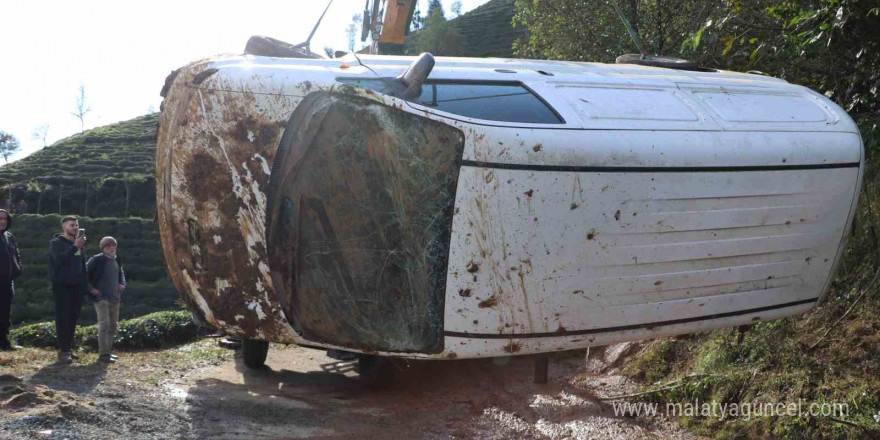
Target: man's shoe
64,357
113,356
74,356
105,358
230,343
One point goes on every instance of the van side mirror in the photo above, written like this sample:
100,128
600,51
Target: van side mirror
416,75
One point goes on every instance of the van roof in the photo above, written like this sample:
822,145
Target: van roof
513,69
568,68
588,95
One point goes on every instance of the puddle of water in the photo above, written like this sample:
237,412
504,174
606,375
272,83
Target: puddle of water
175,392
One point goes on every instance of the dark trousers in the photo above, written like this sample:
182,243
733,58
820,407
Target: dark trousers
67,307
6,292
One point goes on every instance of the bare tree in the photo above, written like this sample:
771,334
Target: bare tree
351,30
41,133
9,145
82,108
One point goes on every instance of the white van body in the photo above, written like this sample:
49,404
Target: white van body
661,201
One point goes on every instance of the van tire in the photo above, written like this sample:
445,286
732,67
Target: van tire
254,352
375,371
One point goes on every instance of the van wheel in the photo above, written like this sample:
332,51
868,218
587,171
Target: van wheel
375,371
254,352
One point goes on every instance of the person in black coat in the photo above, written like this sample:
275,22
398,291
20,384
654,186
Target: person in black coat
67,270
10,269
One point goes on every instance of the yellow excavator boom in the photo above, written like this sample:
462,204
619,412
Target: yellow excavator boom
388,34
398,14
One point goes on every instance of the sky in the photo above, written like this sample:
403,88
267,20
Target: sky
121,51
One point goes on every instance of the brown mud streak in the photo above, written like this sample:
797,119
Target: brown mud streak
512,347
203,173
522,285
189,143
491,301
168,129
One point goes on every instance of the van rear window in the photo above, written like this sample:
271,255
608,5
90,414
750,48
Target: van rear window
493,101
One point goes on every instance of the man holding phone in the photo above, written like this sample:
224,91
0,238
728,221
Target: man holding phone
67,270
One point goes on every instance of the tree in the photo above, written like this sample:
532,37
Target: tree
89,185
832,46
455,8
41,133
60,195
434,6
438,37
39,188
352,30
9,145
81,108
592,30
126,180
417,20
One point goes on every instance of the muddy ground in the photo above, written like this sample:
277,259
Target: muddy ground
201,391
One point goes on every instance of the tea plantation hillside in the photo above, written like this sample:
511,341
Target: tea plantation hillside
487,30
148,290
104,172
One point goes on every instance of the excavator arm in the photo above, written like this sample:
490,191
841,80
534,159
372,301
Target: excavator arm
388,34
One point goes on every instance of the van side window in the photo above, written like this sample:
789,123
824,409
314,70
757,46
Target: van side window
493,101
510,102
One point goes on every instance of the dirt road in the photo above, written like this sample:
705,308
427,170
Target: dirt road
301,393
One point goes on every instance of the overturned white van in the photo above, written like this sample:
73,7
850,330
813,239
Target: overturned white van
503,207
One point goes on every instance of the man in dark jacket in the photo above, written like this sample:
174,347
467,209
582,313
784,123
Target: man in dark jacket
10,269
106,283
67,270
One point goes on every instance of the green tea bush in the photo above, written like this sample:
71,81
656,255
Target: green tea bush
149,289
156,330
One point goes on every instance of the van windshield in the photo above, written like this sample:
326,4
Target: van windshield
493,101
